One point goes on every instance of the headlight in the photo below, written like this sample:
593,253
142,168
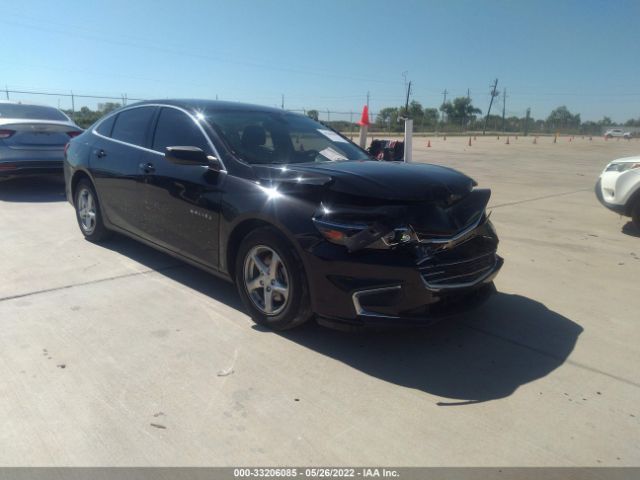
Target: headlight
359,235
337,232
621,167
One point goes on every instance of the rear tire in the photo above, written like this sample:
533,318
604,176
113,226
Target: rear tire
271,280
88,212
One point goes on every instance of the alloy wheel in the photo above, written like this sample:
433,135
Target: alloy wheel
266,280
87,211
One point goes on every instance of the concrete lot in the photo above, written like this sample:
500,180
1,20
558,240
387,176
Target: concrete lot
119,355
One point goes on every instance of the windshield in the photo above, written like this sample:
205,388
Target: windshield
277,138
31,112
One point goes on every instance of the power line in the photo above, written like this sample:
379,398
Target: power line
187,53
71,95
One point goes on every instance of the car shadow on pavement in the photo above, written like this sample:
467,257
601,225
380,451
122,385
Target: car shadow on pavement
483,355
33,189
630,229
177,270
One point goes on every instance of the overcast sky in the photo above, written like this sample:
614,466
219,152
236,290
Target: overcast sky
328,54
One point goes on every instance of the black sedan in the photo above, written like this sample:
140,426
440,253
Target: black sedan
301,219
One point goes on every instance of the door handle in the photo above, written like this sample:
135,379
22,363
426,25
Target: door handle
101,153
147,167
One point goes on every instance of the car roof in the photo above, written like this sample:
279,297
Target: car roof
27,104
209,105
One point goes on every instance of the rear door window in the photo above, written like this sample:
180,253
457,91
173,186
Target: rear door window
175,128
131,126
106,126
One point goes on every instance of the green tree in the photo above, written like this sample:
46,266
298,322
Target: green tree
388,118
590,128
562,119
431,116
86,117
313,114
108,107
512,124
605,122
460,111
415,111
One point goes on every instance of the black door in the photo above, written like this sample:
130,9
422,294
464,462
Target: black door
115,163
183,200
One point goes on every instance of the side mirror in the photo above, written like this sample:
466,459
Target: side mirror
191,156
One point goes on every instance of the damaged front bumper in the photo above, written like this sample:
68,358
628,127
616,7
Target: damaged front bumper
419,283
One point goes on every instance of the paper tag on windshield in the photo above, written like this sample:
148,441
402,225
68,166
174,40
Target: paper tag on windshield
332,155
333,136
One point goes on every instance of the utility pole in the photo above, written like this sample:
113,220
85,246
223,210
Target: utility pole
73,106
493,95
408,130
504,106
526,122
282,103
444,100
351,124
6,90
468,94
406,105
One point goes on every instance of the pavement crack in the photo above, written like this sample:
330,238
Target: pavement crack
91,282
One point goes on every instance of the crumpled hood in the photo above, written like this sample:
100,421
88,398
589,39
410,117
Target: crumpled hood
393,181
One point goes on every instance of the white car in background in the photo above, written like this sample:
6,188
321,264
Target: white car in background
618,187
617,132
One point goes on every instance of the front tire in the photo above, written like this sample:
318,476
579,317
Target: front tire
635,214
88,212
271,280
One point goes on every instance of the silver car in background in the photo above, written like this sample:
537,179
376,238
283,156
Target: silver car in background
33,138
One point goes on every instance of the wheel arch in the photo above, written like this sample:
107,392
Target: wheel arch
235,237
79,175
634,198
75,179
242,229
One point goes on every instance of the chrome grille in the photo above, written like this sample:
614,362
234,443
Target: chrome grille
464,265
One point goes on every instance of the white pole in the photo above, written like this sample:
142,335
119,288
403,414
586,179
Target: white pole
363,136
408,134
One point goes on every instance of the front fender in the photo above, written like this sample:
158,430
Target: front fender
246,201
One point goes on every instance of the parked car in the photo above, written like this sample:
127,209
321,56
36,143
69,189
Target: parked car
617,132
300,218
32,139
618,187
